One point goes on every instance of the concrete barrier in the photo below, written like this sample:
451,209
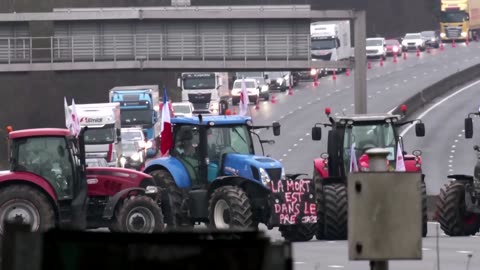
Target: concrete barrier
426,96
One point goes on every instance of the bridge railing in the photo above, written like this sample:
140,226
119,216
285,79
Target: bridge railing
158,47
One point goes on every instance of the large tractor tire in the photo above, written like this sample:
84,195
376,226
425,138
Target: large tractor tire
139,214
424,211
229,208
176,214
25,205
336,211
320,228
298,232
452,215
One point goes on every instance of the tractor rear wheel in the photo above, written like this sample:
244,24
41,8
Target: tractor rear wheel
336,211
25,205
453,217
298,232
176,215
229,208
424,211
139,214
320,228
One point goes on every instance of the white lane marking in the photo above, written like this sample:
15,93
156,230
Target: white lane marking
453,146
426,249
307,134
432,223
459,135
451,156
440,103
456,139
289,150
290,112
299,107
348,86
387,88
299,262
369,96
396,85
318,98
351,105
414,77
464,251
453,151
284,155
331,242
283,116
450,161
450,170
280,160
336,266
328,94
379,92
295,145
301,139
405,81
308,103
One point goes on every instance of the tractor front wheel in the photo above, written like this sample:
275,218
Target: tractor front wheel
298,232
336,212
229,208
139,214
453,217
25,205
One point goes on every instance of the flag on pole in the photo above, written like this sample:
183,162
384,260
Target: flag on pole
68,116
166,127
400,164
243,99
75,120
353,159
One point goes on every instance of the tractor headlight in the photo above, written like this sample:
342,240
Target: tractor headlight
135,157
264,176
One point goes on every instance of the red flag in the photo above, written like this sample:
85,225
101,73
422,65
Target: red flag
166,128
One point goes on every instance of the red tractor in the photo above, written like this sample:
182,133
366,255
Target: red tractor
48,185
332,168
458,205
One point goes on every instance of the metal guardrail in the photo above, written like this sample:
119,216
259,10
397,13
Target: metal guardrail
155,47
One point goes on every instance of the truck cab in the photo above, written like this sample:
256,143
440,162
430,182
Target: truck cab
204,90
103,137
330,41
455,20
139,108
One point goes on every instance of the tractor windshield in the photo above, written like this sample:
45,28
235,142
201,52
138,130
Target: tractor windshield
47,157
367,136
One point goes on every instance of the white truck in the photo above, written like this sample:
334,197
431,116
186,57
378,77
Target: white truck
204,90
103,136
330,41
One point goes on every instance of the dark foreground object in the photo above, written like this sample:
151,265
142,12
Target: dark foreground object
63,250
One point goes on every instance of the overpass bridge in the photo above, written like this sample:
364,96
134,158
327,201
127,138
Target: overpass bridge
173,38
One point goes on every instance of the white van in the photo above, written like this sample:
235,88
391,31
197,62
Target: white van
253,90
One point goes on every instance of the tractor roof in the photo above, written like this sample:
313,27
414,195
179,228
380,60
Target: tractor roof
367,117
39,132
216,119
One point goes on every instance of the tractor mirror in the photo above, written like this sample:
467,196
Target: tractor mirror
119,135
276,129
316,133
420,129
179,82
468,128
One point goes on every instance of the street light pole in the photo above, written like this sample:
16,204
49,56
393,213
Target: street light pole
360,76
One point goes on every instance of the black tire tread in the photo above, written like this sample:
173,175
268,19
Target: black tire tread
241,210
164,180
336,212
448,205
320,228
424,210
298,232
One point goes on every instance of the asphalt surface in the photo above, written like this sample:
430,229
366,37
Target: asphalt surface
387,87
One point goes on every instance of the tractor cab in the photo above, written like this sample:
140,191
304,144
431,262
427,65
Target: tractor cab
210,146
359,133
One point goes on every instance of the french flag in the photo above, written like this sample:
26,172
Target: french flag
166,127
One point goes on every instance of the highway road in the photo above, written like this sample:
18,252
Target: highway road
444,148
445,151
387,87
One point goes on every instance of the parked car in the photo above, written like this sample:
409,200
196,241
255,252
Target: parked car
432,38
413,41
252,88
393,47
182,109
376,48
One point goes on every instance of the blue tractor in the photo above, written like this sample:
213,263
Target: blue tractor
213,176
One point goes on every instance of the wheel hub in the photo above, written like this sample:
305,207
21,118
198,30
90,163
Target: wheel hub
221,215
20,212
140,219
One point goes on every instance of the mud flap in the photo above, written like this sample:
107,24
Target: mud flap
292,201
